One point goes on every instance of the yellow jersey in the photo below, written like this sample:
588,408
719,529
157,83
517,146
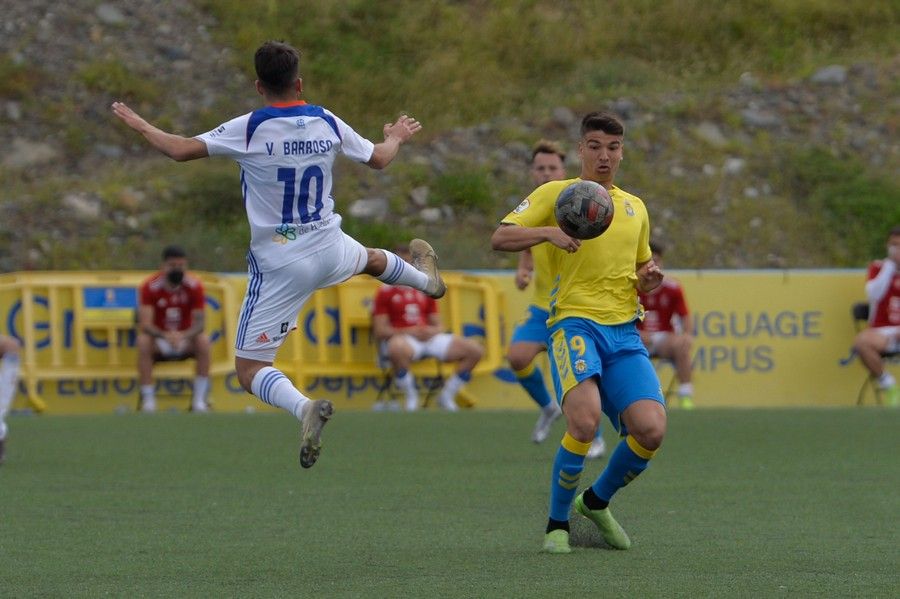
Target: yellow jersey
597,282
543,276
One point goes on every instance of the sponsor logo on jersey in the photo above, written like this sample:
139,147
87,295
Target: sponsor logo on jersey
522,207
263,338
289,232
580,366
301,123
628,209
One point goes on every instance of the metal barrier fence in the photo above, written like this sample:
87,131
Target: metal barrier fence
80,326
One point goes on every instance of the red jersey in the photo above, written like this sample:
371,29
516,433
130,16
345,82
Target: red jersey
661,305
886,312
406,307
172,308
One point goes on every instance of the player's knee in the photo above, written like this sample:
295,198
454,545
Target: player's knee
517,358
649,434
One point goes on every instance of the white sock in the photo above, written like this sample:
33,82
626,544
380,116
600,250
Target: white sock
886,380
685,389
451,388
275,389
407,384
201,388
399,272
148,392
9,380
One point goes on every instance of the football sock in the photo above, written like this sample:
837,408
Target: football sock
407,383
275,389
592,501
557,525
567,469
627,461
532,380
453,385
400,272
148,392
9,379
201,388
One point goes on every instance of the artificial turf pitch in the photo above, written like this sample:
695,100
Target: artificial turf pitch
742,503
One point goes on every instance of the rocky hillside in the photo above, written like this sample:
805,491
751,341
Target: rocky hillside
764,171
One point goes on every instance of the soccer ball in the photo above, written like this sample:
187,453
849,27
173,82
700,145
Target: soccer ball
584,210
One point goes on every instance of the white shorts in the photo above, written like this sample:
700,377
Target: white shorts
167,350
892,334
274,298
656,340
436,347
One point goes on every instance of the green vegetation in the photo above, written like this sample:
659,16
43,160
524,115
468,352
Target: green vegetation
738,503
463,62
113,77
504,65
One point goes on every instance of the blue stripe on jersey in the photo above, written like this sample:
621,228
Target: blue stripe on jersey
244,187
253,288
258,117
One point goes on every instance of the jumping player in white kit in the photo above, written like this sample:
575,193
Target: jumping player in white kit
286,151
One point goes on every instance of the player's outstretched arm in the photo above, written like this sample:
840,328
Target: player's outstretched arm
395,135
174,146
514,238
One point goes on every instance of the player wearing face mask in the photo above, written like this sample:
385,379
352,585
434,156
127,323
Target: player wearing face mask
170,327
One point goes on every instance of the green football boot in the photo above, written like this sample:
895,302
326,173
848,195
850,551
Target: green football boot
557,541
614,535
892,396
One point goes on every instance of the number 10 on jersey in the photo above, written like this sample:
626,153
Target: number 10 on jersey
307,211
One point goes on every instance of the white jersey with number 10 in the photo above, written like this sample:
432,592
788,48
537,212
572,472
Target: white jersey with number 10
286,153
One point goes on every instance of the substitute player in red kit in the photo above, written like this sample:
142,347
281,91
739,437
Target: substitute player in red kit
170,327
666,329
408,326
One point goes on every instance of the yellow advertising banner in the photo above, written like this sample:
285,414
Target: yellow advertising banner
762,338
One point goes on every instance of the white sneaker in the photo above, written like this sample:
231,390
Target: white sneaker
548,416
597,449
148,405
448,403
199,407
412,403
378,406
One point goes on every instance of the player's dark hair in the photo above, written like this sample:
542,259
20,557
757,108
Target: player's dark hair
173,251
894,232
657,247
601,121
545,146
277,66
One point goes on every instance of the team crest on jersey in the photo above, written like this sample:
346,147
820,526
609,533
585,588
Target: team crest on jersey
284,233
580,366
628,209
522,207
301,123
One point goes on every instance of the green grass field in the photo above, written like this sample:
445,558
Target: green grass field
737,503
